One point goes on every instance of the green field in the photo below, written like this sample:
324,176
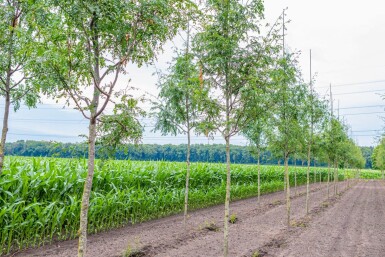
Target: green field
40,197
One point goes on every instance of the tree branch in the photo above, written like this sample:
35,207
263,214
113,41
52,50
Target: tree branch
109,92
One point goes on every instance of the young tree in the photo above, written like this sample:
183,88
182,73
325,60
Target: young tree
231,56
336,137
256,134
261,112
182,100
315,114
17,55
284,139
378,157
88,46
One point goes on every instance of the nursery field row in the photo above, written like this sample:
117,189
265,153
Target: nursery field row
40,197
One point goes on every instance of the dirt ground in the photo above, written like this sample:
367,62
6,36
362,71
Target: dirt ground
354,226
351,224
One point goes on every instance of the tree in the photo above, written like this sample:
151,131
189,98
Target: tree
17,55
378,157
335,137
88,46
230,57
315,114
255,132
182,99
289,110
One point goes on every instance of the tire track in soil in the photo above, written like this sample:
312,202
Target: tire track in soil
159,235
352,226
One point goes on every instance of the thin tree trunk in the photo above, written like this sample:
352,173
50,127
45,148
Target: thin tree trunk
315,172
328,179
187,75
295,176
7,86
259,176
82,247
227,201
284,179
347,179
87,190
4,131
288,204
335,177
187,178
382,172
308,179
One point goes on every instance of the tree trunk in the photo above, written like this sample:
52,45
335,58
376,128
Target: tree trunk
308,178
7,86
347,179
335,177
328,179
382,172
259,175
295,177
227,201
87,190
187,75
4,131
93,107
288,204
315,172
284,180
187,179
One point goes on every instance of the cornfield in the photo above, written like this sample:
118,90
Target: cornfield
40,197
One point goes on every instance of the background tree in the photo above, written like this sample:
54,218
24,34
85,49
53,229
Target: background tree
256,134
378,157
88,46
337,137
17,54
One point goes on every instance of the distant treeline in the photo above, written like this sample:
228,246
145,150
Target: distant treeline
145,152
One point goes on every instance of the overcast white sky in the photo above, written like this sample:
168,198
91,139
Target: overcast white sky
348,48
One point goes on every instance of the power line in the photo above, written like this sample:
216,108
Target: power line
356,83
361,92
41,135
360,107
362,113
376,130
367,135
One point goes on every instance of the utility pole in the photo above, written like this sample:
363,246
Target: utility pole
331,101
331,127
283,33
310,141
286,176
338,110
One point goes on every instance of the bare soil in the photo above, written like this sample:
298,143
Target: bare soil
349,225
353,226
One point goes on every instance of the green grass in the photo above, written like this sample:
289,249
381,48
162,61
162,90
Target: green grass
40,197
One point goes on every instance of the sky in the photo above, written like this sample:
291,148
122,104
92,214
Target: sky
347,41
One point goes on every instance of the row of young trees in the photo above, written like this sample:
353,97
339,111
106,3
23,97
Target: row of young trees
232,76
236,79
